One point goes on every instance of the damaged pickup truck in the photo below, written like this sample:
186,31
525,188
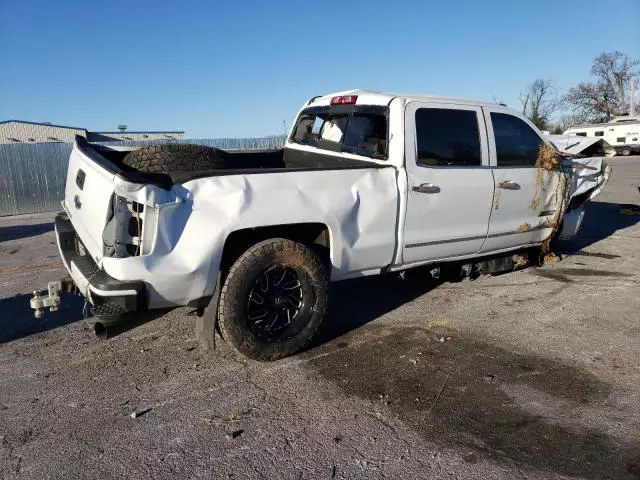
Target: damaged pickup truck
367,183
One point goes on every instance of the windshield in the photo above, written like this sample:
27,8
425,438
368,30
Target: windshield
361,130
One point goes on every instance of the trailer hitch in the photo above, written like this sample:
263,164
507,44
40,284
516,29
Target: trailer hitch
52,299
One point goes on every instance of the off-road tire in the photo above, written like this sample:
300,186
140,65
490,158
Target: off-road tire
233,321
175,157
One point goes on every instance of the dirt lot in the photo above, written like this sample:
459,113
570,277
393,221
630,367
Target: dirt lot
532,374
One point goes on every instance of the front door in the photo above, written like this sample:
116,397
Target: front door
529,194
450,182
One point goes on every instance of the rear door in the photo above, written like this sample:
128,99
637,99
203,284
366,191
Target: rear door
449,179
527,197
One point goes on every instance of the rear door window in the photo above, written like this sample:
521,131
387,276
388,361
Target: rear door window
447,137
360,130
517,144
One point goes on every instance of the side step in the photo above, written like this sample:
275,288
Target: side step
108,312
456,271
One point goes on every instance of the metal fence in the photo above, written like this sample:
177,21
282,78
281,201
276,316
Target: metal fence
32,176
273,141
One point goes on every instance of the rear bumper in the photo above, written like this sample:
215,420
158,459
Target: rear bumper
109,296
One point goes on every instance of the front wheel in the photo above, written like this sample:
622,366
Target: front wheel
273,300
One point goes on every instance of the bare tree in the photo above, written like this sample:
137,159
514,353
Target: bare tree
539,101
605,97
565,122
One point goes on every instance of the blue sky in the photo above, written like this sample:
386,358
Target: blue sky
239,68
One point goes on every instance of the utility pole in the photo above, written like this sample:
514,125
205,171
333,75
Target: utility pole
284,126
632,105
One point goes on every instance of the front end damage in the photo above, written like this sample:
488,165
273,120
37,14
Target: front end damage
588,177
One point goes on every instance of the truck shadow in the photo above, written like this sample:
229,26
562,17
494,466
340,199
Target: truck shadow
18,321
602,219
481,400
17,318
16,232
354,303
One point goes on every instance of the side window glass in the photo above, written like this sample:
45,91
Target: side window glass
517,144
447,137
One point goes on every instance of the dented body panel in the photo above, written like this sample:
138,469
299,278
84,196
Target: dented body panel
194,220
527,198
589,175
577,145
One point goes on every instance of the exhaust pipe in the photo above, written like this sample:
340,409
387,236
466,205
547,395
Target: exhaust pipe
109,327
105,329
100,330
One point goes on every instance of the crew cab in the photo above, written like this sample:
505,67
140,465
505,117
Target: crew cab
366,183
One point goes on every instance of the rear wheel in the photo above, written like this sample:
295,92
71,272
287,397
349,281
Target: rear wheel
273,300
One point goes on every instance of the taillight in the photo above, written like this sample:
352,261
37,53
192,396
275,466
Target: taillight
142,227
344,100
130,230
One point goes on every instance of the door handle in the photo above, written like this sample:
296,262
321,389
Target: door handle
427,188
509,185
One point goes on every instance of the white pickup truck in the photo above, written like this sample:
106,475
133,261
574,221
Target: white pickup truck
366,183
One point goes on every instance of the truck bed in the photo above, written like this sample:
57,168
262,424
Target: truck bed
171,236
235,161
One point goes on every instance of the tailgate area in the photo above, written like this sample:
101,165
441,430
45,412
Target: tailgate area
88,196
109,297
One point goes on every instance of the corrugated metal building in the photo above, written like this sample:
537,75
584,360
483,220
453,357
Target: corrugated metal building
19,131
16,131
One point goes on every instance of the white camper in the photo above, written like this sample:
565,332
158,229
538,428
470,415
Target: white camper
622,133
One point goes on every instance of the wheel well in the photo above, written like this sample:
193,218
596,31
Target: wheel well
313,235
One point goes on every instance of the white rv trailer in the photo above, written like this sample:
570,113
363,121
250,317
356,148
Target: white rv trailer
622,133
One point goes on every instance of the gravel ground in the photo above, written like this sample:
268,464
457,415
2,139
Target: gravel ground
532,374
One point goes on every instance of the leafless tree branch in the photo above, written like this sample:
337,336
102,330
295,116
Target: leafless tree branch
606,96
540,100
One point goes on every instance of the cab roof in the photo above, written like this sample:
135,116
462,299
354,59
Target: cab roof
370,97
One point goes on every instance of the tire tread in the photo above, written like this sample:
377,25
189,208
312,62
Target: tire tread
175,157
